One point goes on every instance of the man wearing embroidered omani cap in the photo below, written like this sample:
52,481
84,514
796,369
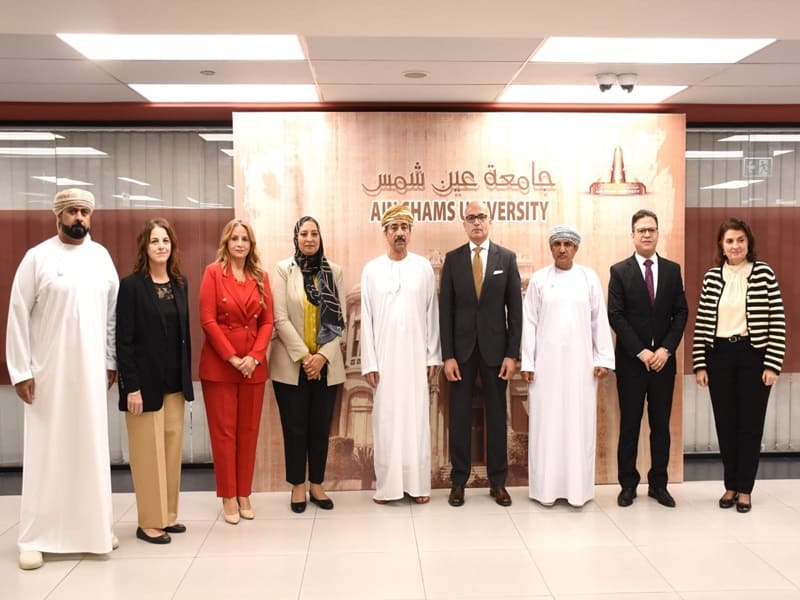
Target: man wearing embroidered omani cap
566,348
61,359
399,354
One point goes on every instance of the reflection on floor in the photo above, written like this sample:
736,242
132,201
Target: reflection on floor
404,550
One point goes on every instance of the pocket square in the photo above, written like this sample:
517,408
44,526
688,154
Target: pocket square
498,272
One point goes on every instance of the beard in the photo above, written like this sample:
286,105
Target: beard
77,231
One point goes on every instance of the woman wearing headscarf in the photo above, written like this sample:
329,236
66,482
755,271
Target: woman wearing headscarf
739,343
155,377
236,316
306,362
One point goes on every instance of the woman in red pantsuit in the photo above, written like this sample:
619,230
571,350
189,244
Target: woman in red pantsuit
236,315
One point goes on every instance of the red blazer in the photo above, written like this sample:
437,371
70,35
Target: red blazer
233,327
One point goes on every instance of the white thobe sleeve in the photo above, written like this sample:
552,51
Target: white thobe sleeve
602,344
18,331
369,356
111,317
530,324
432,342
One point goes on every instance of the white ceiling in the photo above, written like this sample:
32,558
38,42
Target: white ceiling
357,50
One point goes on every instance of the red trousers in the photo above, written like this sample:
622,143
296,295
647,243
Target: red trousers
233,411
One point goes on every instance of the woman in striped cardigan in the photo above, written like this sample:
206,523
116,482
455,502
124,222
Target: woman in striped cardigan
739,342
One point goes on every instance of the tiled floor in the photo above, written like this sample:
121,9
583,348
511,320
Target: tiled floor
402,550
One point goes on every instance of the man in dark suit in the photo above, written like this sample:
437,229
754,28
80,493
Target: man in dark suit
480,316
647,310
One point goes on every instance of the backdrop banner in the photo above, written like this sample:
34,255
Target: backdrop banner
533,170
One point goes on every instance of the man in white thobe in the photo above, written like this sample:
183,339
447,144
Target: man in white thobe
61,359
566,347
399,354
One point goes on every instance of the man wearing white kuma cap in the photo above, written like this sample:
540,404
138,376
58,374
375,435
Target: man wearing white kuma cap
61,359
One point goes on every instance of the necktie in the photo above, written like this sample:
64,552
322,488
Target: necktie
648,280
477,271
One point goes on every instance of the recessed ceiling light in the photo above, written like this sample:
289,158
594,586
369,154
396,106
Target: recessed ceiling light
217,137
715,154
227,151
266,92
587,94
781,152
415,74
53,151
647,50
136,197
98,46
763,137
734,184
60,180
29,136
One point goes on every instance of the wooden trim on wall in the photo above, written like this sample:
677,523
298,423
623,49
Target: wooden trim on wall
41,113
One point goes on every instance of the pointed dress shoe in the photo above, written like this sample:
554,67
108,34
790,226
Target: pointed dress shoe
626,496
500,495
662,496
456,497
158,539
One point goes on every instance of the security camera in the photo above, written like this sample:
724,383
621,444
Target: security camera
605,81
627,81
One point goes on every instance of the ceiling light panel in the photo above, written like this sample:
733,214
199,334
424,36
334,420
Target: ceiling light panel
647,50
53,151
96,46
29,136
227,93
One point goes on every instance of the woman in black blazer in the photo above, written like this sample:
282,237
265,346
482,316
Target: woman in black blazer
155,377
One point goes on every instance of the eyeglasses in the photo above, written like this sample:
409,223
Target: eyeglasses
646,230
476,218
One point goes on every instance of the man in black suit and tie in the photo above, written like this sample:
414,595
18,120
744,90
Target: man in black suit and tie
647,310
480,316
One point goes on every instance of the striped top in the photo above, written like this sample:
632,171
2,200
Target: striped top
766,323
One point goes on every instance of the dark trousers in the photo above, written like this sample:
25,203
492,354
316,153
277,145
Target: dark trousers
739,398
306,410
634,384
494,398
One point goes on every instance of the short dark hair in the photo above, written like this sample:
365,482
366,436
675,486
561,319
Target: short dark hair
641,214
736,225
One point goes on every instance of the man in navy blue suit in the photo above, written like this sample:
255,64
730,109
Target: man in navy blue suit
647,310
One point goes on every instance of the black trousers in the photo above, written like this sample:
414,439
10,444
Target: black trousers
634,384
494,398
739,398
306,410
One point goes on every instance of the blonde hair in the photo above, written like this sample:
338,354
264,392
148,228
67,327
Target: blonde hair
252,263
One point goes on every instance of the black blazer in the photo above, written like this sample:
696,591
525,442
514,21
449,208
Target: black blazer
142,341
638,323
494,323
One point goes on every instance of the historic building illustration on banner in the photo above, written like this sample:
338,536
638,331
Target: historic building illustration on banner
532,170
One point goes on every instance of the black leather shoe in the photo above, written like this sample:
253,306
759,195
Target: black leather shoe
298,507
626,496
159,539
728,502
324,503
456,496
662,496
500,495
177,528
743,507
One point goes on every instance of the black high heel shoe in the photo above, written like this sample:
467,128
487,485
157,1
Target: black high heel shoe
298,507
728,502
323,503
743,507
